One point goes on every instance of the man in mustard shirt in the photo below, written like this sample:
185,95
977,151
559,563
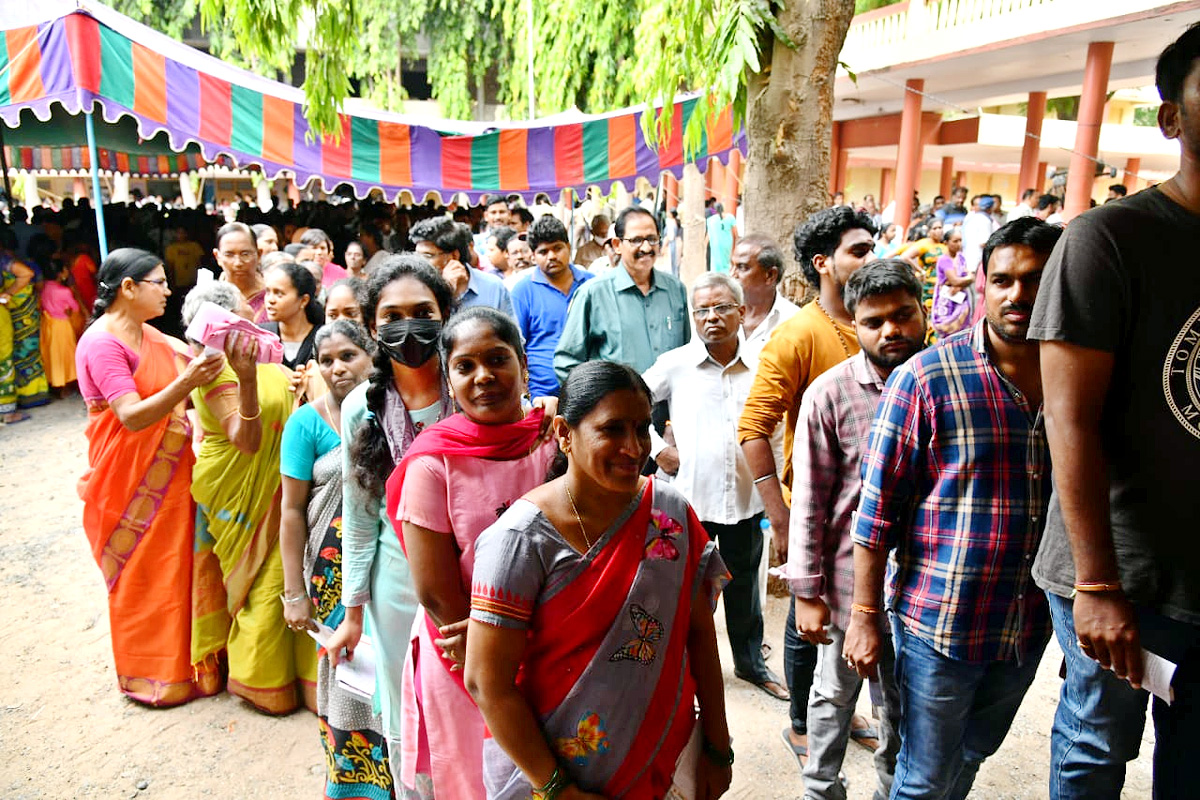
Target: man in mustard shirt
830,246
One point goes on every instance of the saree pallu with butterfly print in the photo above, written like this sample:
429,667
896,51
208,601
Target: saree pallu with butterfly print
606,664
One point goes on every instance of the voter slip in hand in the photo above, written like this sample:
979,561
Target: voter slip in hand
356,676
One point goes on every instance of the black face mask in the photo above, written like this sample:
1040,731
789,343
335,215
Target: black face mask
410,342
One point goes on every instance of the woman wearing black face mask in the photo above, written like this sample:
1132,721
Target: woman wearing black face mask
407,301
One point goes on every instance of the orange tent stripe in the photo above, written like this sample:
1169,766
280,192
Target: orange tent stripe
622,146
25,74
395,154
720,132
514,170
278,119
149,83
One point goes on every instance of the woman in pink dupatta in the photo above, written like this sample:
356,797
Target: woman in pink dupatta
454,481
591,630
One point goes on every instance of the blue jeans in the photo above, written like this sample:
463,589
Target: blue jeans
799,663
1099,721
953,715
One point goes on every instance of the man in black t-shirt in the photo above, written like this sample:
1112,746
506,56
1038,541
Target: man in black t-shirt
1118,314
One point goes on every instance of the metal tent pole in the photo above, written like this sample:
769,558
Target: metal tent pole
97,200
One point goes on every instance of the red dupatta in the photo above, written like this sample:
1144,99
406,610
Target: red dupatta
458,435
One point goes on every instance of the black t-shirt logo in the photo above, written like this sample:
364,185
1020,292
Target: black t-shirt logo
1181,376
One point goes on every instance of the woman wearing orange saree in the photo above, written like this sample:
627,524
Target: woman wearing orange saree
137,503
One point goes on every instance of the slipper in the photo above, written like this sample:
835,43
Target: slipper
20,416
771,685
800,751
867,735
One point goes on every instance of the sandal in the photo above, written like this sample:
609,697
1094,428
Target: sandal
864,733
770,685
800,751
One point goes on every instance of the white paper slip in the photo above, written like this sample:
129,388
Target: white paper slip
357,676
321,634
1158,676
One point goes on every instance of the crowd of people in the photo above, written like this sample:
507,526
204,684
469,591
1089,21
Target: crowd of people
521,484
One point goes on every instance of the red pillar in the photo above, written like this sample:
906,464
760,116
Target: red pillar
960,179
1039,182
887,185
1131,169
671,189
947,176
1081,176
835,151
1032,145
908,158
716,174
842,161
733,180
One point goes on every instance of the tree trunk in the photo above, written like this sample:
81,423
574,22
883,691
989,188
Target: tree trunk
691,218
789,125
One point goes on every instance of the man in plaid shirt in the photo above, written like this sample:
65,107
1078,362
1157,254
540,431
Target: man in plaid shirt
956,480
884,298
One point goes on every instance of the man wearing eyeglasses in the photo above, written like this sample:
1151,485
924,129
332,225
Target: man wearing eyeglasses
705,384
632,314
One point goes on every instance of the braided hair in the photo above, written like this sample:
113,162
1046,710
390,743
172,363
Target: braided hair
370,457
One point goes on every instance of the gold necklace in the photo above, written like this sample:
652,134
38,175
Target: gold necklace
836,329
578,519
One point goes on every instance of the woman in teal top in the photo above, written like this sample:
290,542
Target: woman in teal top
310,543
407,300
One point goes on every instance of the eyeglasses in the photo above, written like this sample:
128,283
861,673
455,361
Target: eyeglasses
245,255
638,241
159,282
721,310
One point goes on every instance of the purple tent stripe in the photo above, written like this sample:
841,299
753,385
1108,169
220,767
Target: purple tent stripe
306,155
183,101
426,150
647,157
540,160
56,71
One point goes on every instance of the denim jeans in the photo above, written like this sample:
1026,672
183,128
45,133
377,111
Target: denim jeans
741,547
1099,721
953,715
799,662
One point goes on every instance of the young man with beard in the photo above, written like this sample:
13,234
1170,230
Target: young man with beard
831,435
541,300
955,480
1118,317
830,246
704,384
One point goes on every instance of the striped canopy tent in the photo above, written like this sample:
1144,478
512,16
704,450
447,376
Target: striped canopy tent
79,57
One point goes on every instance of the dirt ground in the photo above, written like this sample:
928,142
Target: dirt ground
65,731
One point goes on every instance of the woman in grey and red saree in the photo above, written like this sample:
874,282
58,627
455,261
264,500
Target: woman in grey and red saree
591,620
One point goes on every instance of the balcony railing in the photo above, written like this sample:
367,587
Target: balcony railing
917,29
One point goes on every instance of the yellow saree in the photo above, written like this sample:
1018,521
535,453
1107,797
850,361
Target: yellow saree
239,574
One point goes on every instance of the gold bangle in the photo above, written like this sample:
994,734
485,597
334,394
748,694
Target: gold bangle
1098,586
863,609
256,415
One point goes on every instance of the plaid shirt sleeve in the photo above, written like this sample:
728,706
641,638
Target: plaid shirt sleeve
815,460
892,463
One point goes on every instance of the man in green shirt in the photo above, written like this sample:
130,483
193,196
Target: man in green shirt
632,314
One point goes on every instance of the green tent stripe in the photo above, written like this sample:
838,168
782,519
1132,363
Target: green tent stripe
247,129
5,94
595,150
364,149
116,67
689,107
485,162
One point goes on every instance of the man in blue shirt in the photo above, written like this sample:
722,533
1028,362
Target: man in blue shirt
540,301
631,314
447,247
